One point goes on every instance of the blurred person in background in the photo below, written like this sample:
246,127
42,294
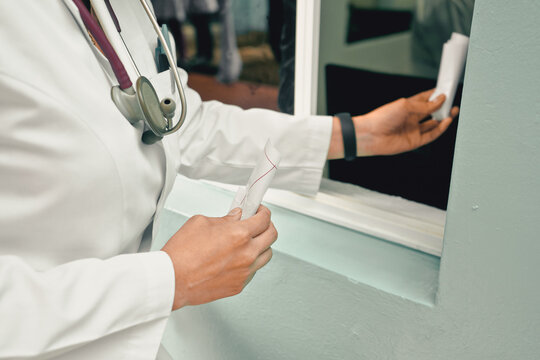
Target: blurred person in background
200,13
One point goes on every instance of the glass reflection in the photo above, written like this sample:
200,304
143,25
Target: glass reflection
387,50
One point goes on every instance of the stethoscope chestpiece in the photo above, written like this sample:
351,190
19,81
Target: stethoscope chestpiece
143,104
168,107
151,109
127,102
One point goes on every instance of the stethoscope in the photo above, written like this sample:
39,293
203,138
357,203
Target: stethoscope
140,102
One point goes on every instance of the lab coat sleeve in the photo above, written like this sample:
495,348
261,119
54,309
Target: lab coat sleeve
74,305
222,142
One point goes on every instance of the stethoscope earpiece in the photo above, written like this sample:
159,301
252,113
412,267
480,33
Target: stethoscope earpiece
168,107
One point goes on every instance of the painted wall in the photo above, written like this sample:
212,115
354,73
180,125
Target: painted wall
485,304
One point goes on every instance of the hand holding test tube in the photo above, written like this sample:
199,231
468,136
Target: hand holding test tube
453,58
249,198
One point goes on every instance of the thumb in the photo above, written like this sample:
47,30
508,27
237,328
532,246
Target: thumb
427,107
438,101
235,214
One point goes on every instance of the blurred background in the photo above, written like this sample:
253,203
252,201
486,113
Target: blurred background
229,47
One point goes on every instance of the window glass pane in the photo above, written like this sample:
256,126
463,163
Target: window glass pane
388,50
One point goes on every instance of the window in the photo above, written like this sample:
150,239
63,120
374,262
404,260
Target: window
400,58
346,66
342,65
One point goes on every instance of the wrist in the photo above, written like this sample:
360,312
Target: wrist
363,136
179,299
336,149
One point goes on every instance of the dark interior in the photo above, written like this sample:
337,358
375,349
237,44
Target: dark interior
422,175
369,23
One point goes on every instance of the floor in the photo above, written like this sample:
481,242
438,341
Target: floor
244,94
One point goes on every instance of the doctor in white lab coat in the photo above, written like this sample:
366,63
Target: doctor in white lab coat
80,194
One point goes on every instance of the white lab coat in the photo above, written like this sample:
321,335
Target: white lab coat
80,194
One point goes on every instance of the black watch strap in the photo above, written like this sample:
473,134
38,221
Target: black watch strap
349,135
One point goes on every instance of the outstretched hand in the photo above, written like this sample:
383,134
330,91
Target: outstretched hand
396,127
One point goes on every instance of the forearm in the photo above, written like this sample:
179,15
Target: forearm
400,126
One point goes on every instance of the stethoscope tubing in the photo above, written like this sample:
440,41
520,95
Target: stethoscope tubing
117,66
172,65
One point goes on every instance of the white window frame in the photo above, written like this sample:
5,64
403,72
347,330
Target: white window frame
308,20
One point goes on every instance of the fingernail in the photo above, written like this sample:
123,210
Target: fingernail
235,211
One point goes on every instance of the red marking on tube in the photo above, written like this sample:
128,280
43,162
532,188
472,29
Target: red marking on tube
263,175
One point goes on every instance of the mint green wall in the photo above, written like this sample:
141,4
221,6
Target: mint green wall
489,290
330,293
